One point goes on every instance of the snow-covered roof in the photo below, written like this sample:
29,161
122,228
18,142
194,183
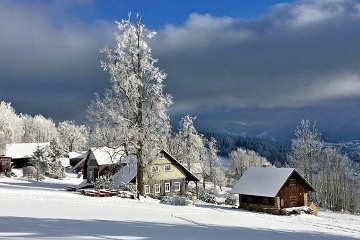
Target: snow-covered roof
105,155
22,150
127,172
260,181
80,154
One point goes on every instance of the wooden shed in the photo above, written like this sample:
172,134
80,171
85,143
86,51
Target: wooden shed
101,161
272,189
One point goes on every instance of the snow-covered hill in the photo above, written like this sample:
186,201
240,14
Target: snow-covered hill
44,210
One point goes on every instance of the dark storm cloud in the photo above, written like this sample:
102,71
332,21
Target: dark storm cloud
50,61
300,60
298,55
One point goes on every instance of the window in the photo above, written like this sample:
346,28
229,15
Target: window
249,199
265,201
293,201
147,189
292,182
177,186
167,168
167,187
157,188
155,168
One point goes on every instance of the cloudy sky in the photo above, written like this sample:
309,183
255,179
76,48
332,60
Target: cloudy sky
254,67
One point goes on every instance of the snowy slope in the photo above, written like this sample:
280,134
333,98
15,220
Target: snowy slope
44,210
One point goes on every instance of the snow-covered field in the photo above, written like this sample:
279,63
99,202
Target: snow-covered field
44,210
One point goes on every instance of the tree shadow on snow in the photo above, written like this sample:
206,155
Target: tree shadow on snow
33,228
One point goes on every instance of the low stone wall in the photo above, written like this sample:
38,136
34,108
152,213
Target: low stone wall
260,208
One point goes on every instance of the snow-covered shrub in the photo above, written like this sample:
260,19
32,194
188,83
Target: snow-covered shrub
231,200
297,210
56,169
176,200
207,197
103,182
128,187
29,172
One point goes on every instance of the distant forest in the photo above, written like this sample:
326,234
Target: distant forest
274,151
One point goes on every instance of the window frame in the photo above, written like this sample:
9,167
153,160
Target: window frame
167,170
155,168
292,182
157,188
167,187
177,186
147,189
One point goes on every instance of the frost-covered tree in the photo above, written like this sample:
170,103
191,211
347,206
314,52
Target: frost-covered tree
47,160
73,136
10,126
187,145
218,177
136,102
242,159
336,185
305,149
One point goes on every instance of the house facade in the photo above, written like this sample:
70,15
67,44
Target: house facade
165,175
272,189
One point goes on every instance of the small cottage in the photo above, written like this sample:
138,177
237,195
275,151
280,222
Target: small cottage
272,189
167,176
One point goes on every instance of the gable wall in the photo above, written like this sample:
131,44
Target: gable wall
174,173
293,195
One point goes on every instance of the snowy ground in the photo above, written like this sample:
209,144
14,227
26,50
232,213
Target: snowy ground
44,210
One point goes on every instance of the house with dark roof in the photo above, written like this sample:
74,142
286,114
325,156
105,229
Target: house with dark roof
164,174
272,189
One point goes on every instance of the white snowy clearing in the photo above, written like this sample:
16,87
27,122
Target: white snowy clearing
44,210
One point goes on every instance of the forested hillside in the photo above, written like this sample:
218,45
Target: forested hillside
274,151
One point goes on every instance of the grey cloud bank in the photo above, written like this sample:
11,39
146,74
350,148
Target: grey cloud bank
300,60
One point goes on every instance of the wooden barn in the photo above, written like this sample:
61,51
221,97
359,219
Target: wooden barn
21,153
101,161
272,189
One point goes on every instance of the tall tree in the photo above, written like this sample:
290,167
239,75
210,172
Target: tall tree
136,101
72,136
243,158
10,126
305,149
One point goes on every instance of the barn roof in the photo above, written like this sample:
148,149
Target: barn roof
266,182
106,155
22,150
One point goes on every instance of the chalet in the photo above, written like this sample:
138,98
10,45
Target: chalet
165,175
21,153
272,189
5,166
